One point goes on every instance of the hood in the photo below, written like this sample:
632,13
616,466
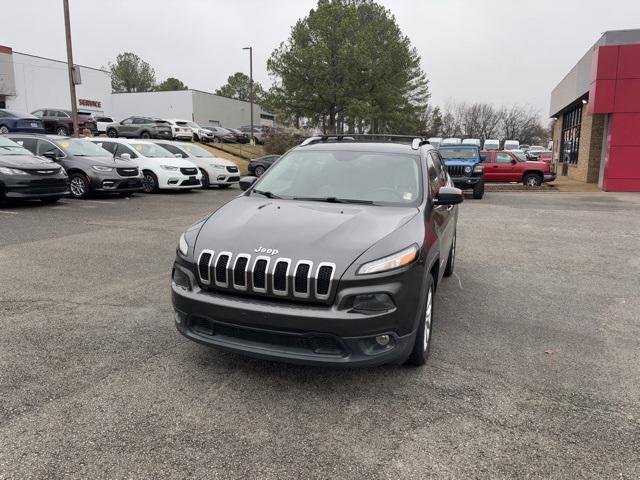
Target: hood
26,161
300,230
173,162
462,161
105,161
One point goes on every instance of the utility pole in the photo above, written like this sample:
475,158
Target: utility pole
252,140
72,85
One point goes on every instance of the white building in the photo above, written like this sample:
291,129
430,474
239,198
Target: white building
29,83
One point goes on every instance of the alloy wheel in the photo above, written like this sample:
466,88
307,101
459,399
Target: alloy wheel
78,187
148,183
4,129
427,320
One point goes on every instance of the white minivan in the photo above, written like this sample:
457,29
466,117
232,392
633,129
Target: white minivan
511,145
471,141
160,169
491,144
451,141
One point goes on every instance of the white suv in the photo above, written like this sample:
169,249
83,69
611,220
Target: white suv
198,133
215,171
161,170
179,132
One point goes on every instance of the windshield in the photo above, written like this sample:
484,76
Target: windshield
344,175
82,148
196,151
459,153
151,150
8,147
520,155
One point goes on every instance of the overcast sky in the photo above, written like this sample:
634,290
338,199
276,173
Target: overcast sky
498,51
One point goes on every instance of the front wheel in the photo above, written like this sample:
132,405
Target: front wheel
421,347
79,185
112,133
478,190
259,171
150,183
532,180
62,131
205,180
4,129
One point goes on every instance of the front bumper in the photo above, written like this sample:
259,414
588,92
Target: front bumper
466,182
303,333
177,181
32,187
549,177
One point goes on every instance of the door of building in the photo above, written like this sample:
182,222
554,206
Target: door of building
3,101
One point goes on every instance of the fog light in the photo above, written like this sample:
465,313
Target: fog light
383,340
180,317
180,279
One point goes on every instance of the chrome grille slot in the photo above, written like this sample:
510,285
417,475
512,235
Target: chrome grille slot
204,266
324,276
221,274
280,276
259,277
302,279
240,272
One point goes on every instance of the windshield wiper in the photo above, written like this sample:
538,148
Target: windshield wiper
335,200
266,194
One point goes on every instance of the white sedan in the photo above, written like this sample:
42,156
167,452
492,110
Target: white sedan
215,170
161,170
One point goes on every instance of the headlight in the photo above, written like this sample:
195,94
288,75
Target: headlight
395,260
183,246
478,169
218,165
100,168
467,169
169,167
12,171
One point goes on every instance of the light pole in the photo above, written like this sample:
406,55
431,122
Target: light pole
252,141
72,85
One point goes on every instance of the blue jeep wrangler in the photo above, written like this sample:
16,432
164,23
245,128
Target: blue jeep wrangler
463,165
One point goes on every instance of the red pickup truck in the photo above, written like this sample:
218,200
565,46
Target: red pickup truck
505,166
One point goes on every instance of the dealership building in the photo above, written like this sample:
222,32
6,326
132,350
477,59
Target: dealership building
596,108
29,83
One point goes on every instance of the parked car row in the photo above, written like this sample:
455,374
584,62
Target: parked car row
49,167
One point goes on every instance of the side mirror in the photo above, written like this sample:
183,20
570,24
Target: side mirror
51,155
125,156
449,196
247,182
177,155
513,161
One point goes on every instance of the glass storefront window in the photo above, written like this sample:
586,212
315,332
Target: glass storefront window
570,136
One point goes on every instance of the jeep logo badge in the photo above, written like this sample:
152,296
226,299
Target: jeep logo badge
268,251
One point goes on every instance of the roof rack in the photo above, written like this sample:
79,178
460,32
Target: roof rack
416,142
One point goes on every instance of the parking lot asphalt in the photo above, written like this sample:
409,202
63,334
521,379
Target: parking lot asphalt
534,371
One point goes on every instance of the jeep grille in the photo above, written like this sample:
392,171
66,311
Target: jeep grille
266,276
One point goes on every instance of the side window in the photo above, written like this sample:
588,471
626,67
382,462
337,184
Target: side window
140,121
60,114
44,146
440,166
434,180
28,143
38,113
128,121
108,146
484,157
503,158
120,149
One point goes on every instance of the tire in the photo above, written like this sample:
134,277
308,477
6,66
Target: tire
422,345
79,185
478,190
224,186
195,138
50,200
149,182
532,180
259,171
62,131
112,133
205,179
4,129
145,135
451,261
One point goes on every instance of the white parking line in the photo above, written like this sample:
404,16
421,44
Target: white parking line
99,201
88,206
9,213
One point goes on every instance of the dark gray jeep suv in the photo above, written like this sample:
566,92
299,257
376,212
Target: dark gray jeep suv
332,257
